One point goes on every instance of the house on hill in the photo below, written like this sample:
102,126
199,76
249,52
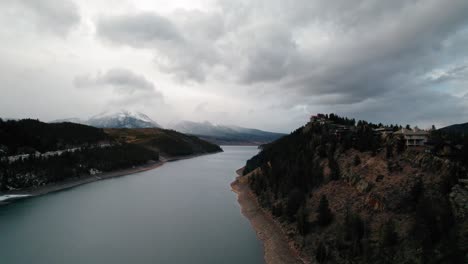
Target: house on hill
320,118
383,131
414,137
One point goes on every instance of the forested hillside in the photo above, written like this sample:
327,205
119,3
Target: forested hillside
34,154
456,129
33,171
167,142
28,136
345,193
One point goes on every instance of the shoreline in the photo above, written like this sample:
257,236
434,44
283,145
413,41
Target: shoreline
276,246
75,182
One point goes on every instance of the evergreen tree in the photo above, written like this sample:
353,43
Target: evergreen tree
400,145
389,151
295,200
389,236
322,254
357,160
325,215
302,223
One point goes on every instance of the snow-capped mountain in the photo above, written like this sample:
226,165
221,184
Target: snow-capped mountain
221,134
120,119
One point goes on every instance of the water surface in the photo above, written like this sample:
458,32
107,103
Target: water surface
182,212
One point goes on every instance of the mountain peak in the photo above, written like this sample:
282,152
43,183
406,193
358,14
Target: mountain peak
117,119
122,119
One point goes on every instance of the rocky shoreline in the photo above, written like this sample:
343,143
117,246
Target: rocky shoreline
277,247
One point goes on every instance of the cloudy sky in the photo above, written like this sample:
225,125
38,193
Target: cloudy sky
267,64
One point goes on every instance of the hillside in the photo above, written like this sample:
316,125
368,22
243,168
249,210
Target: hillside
167,142
28,136
226,135
34,154
457,128
353,196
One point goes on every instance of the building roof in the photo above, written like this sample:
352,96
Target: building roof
412,132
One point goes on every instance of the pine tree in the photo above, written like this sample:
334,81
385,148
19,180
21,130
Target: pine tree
357,160
324,214
389,235
302,223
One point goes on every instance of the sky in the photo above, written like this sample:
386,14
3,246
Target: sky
266,64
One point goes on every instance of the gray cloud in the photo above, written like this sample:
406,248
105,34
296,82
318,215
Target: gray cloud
55,16
120,80
451,74
386,61
185,54
131,89
372,46
138,30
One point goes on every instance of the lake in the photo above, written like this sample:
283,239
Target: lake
182,212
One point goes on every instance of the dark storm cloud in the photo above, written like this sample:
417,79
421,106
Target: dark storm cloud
56,16
390,61
373,45
391,50
406,107
185,54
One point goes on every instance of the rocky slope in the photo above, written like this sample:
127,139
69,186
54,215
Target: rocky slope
342,200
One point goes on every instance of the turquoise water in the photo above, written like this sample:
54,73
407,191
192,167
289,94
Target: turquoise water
182,212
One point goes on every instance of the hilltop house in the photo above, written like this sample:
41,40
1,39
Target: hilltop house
383,131
414,137
320,118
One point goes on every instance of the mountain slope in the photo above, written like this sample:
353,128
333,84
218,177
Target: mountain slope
75,120
34,154
168,143
226,134
457,128
356,197
28,136
122,119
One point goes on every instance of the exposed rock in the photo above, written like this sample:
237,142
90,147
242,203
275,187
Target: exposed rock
394,166
459,200
375,202
363,186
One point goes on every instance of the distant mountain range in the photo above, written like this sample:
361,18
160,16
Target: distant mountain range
226,135
218,134
121,119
